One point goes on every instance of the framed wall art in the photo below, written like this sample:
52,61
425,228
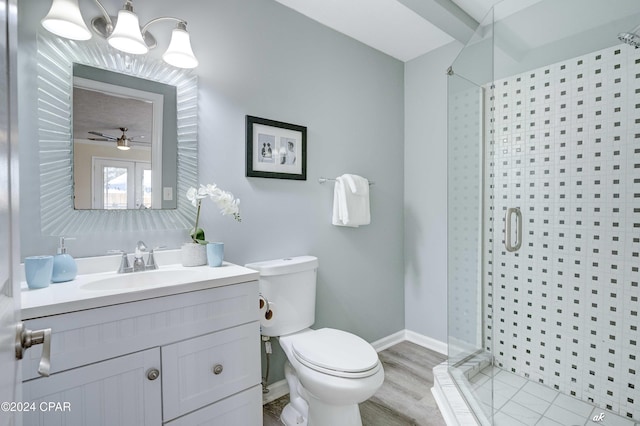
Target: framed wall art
276,149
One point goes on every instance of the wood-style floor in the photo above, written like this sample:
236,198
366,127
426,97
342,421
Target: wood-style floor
405,396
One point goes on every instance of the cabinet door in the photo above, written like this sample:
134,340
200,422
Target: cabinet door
112,392
205,369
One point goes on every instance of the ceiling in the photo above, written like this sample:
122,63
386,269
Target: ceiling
386,25
407,29
95,111
403,29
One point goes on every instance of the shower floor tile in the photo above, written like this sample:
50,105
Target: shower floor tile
486,396
522,413
519,401
581,408
531,401
565,416
548,422
510,379
502,419
540,391
479,380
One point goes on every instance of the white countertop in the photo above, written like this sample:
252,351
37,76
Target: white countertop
75,295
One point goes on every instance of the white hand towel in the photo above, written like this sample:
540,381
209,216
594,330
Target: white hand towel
338,189
357,184
351,201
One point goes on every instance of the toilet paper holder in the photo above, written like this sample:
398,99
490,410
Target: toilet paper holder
265,307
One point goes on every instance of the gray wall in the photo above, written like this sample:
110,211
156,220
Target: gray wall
259,58
425,192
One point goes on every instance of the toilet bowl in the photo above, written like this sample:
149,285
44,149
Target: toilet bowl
335,370
329,371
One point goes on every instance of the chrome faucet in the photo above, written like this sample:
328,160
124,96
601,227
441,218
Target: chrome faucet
138,261
124,261
151,261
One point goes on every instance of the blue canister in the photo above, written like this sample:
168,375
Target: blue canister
215,254
38,270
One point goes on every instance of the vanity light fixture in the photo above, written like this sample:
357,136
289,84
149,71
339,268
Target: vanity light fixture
123,33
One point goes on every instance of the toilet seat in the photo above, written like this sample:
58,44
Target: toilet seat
337,353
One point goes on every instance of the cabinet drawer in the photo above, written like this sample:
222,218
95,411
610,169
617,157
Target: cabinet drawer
242,409
190,379
84,337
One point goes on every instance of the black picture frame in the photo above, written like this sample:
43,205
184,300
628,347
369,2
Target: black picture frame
275,149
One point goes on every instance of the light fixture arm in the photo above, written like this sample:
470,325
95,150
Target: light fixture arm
107,18
181,22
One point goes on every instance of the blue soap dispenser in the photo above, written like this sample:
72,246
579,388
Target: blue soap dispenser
64,266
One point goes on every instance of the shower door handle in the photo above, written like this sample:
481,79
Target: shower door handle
507,237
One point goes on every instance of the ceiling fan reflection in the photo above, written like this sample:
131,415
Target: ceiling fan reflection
123,142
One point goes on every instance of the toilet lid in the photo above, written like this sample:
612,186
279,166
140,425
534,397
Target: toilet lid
336,351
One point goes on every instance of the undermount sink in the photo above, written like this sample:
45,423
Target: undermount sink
141,280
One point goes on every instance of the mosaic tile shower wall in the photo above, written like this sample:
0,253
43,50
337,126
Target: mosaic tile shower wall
566,151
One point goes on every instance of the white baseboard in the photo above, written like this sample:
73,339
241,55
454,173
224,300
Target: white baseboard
276,390
281,388
426,342
413,337
387,342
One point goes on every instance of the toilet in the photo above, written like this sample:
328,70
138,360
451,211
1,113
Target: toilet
329,372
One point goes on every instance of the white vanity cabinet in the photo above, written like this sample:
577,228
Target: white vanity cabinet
185,359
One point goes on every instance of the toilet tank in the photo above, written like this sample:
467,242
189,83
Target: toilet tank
289,288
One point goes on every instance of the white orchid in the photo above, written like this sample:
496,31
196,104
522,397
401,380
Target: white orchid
194,195
228,204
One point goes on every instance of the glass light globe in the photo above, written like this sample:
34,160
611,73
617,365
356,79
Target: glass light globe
64,20
179,53
126,36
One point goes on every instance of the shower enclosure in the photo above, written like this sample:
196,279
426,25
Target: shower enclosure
544,215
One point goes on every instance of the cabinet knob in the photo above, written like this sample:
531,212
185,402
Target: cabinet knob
217,369
153,373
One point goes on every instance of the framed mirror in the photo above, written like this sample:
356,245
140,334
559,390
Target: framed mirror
65,66
124,141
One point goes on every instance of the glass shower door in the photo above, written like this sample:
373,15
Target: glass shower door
469,194
544,213
566,156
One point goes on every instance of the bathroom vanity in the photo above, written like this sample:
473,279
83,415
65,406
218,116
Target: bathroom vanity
176,346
